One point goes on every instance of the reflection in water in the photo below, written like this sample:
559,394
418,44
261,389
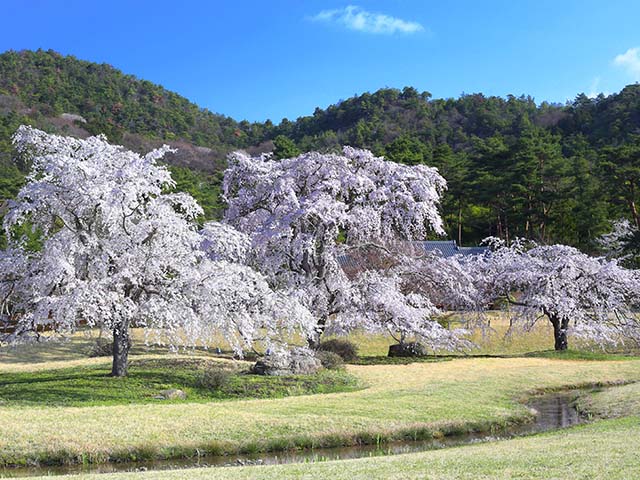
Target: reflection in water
554,411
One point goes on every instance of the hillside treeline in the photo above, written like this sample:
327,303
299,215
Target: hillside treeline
554,173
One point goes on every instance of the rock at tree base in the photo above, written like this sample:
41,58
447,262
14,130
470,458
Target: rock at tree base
411,349
171,394
299,361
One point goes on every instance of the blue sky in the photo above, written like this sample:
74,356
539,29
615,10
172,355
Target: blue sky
272,59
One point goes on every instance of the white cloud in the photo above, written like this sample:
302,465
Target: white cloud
630,61
355,18
595,89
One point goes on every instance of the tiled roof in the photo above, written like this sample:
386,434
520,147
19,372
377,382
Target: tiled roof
348,261
449,248
473,250
445,248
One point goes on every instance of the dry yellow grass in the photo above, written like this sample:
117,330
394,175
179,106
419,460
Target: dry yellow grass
494,340
63,353
607,450
58,352
401,401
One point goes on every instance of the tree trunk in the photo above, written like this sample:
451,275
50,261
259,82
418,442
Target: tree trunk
314,341
634,212
459,223
559,332
121,346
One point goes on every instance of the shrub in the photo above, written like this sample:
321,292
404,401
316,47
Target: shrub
214,378
409,349
347,350
330,360
102,348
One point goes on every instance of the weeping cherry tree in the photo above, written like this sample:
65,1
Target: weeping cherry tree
586,296
407,293
118,252
302,214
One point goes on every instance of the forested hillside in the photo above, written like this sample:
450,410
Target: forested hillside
549,172
555,173
65,95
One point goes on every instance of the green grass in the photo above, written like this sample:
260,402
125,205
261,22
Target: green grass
606,450
581,355
612,402
552,354
385,360
413,401
91,385
58,406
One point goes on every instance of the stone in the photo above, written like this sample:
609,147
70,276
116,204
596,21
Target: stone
171,394
304,362
409,349
298,361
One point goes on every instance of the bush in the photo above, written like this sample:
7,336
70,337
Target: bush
410,349
347,350
330,360
102,348
214,378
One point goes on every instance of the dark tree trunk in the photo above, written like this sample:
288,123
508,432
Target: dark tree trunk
314,341
121,346
459,223
559,332
634,212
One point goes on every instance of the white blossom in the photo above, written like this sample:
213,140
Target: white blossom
117,251
303,213
617,243
581,295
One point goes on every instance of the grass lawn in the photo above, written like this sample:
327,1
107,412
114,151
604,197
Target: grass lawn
494,341
372,348
613,402
606,450
401,402
58,406
86,385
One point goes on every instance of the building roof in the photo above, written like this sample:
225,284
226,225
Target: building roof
444,248
473,250
449,248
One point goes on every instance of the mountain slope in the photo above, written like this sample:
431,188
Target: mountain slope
64,94
554,173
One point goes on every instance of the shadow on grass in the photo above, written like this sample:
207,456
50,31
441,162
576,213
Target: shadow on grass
583,355
77,347
48,350
92,385
551,354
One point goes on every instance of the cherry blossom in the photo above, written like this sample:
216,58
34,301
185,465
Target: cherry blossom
586,296
302,214
119,252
